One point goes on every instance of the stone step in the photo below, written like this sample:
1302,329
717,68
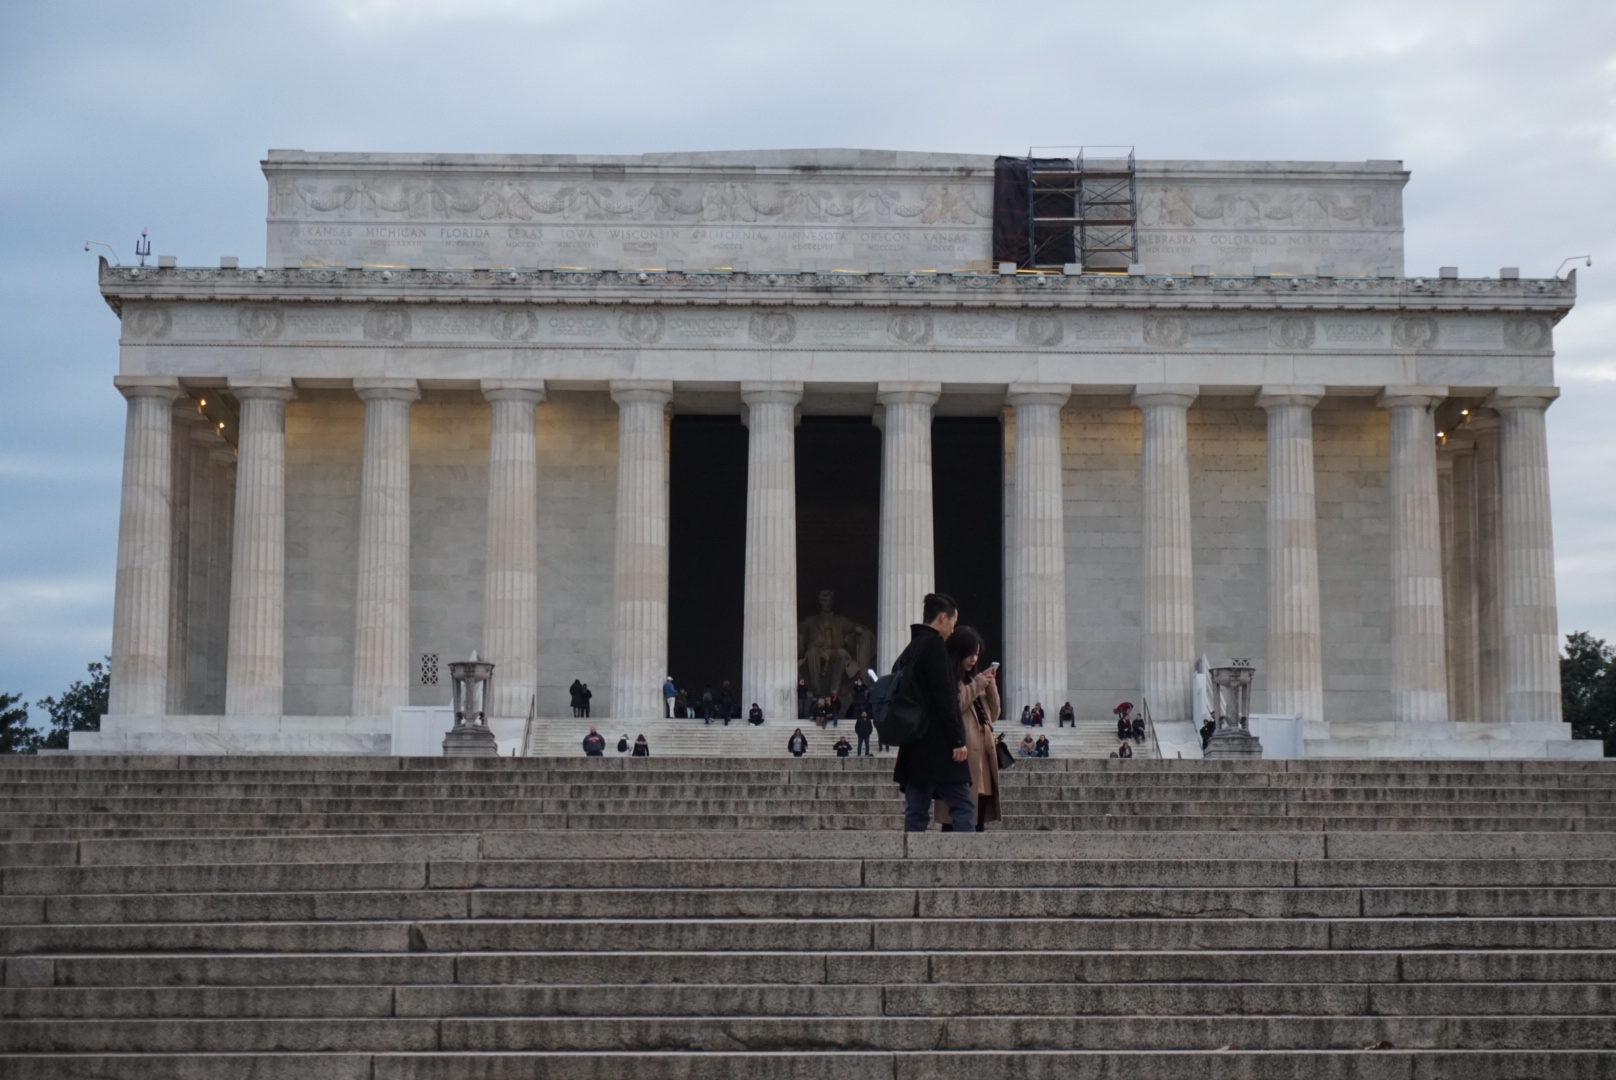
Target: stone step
973,999
835,823
1352,1064
796,935
460,847
617,873
808,903
1210,966
845,797
799,1033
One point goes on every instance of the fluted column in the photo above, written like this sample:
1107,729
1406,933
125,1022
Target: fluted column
1531,618
511,574
1167,580
1459,584
1484,428
640,588
1035,625
1419,650
908,560
141,589
769,621
255,670
186,418
1295,651
381,678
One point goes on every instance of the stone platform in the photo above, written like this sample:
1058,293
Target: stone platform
383,918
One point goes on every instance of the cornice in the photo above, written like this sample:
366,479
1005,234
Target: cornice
1550,296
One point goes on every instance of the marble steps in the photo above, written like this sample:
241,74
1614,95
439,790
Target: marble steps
1488,951
1433,876
1230,1063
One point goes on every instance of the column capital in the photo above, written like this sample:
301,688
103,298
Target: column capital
1179,395
262,388
528,390
771,393
641,391
1522,397
1304,395
1019,394
1411,396
387,389
157,386
908,393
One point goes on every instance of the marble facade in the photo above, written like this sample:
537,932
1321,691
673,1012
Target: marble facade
447,394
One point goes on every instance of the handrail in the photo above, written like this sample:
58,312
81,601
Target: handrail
1150,725
527,729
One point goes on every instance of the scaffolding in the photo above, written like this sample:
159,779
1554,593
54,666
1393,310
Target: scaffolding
1082,208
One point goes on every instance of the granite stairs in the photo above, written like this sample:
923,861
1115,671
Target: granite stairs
562,918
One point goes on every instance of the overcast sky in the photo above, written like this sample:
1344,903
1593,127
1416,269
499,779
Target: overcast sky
118,116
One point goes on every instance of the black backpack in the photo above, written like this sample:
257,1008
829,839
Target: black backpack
897,709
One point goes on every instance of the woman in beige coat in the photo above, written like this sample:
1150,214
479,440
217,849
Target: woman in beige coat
979,710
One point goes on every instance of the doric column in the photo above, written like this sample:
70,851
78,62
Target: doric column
186,419
1167,582
141,590
769,622
255,670
381,678
511,575
1531,619
1484,427
1419,651
1295,653
1459,583
1035,624
640,586
908,561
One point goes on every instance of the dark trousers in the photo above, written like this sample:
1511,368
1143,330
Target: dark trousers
864,746
917,799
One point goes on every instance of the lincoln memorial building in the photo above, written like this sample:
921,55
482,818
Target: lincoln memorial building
615,419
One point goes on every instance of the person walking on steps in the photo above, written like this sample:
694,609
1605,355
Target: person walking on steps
641,748
797,744
576,693
978,695
594,745
670,694
707,705
584,694
862,728
935,765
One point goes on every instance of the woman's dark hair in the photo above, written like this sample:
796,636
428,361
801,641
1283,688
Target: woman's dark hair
964,643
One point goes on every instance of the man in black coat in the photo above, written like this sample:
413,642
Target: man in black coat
934,766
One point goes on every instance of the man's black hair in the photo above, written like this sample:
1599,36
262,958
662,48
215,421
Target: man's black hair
937,603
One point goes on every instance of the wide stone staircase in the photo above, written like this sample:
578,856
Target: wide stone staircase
682,737
376,918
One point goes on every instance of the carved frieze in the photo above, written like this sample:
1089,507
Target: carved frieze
388,324
1414,332
1527,332
879,329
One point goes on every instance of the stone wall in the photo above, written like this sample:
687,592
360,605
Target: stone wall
577,536
448,533
325,433
1351,455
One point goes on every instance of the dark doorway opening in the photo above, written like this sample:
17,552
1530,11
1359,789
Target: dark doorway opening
839,515
706,551
967,457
